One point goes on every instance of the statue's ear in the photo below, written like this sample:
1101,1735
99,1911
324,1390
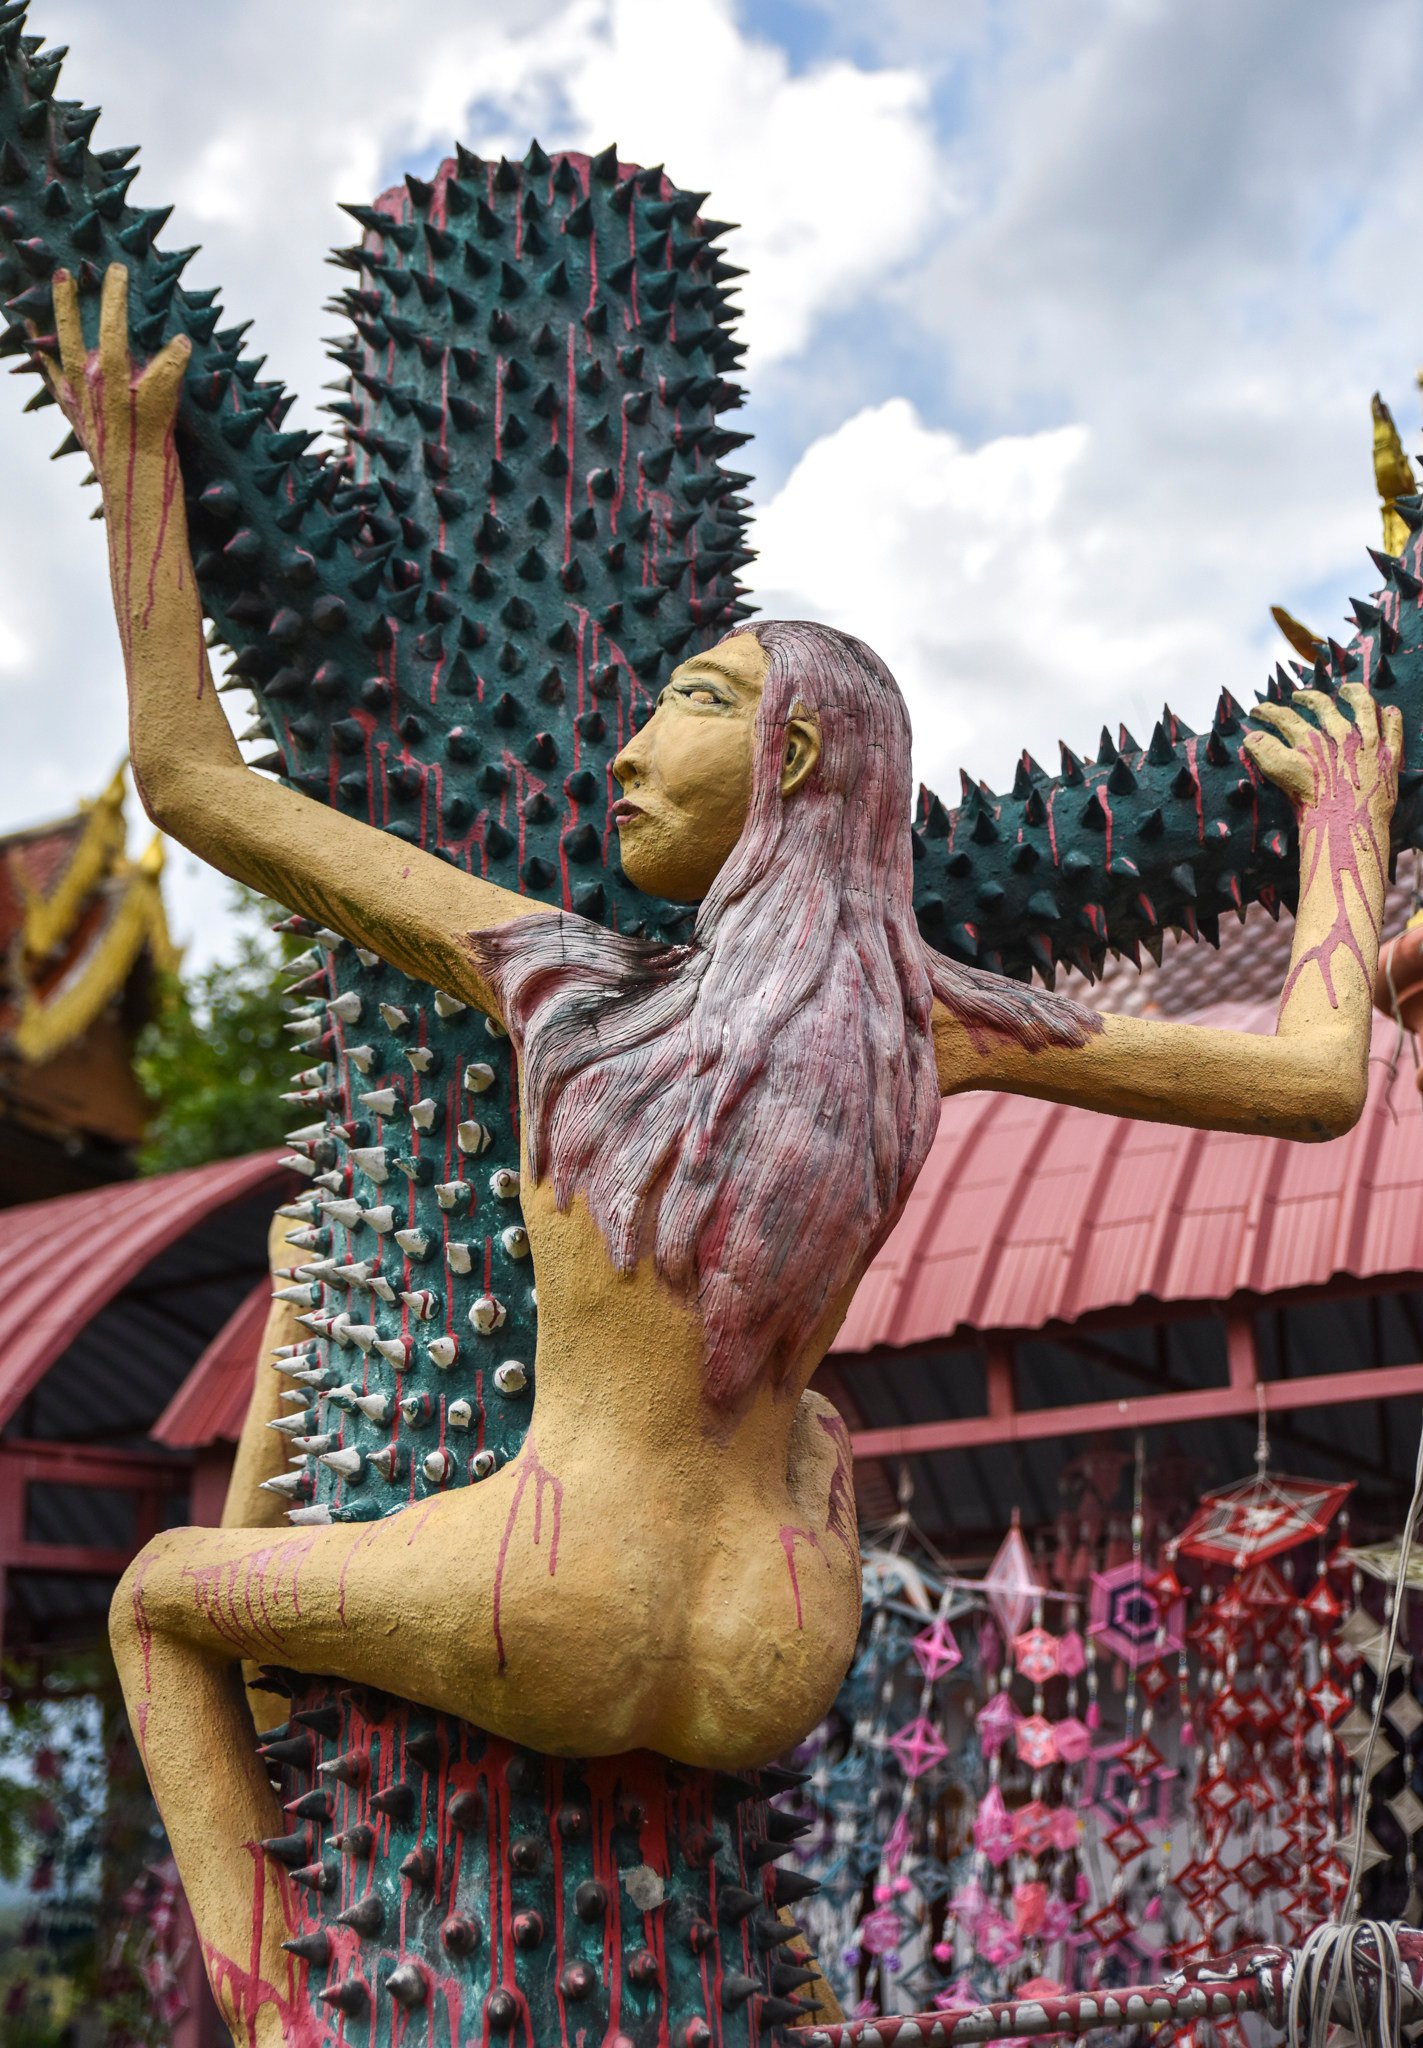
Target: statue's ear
802,750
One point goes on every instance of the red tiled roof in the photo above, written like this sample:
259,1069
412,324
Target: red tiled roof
1028,1212
66,1258
210,1405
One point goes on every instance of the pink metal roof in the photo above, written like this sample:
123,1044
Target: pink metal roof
210,1405
1027,1212
66,1258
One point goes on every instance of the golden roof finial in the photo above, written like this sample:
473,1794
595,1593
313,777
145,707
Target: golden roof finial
1393,474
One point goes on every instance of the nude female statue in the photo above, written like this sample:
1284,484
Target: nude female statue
717,1137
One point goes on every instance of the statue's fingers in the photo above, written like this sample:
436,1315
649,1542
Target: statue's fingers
69,329
1360,701
1280,764
1327,715
1287,723
114,354
159,385
1393,730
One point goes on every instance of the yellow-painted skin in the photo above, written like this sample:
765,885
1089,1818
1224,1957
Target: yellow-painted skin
648,1571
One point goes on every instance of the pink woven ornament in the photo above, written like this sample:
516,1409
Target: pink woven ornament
1011,1583
1035,1654
1029,1907
1033,1828
995,1721
881,1931
1071,1654
1036,1741
1072,1739
1065,1827
936,1651
993,1828
919,1746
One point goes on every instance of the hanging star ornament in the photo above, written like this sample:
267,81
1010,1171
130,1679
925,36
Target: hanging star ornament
1011,1584
1261,1516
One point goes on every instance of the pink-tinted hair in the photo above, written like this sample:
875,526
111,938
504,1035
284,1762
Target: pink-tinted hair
754,1107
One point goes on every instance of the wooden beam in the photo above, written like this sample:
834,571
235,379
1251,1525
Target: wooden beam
1281,1397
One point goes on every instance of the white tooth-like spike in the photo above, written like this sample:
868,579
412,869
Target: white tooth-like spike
382,1289
346,1006
308,1238
315,1446
290,1368
316,1319
303,1296
448,1006
471,1136
373,1161
424,1114
459,1257
395,1350
362,1057
334,1183
305,1030
309,1134
305,1211
421,1057
515,1241
366,957
339,1327
349,1462
345,1396
443,1352
305,1349
511,1377
420,1301
311,1077
387,1460
381,1218
487,1315
305,1097
504,1182
299,1164
315,1269
288,1483
478,1076
450,1193
393,1017
332,941
307,962
314,1517
312,1376
362,1335
415,1242
437,1466
294,1394
342,1211
494,1029
294,1425
483,1463
375,1406
459,1415
380,1102
355,1273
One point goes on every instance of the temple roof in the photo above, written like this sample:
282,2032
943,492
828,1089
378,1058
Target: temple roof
76,918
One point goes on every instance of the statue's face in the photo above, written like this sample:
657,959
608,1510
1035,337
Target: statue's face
686,777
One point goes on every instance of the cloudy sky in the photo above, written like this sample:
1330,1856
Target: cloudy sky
1063,319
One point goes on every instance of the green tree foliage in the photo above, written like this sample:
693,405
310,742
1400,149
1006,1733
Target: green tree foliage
215,1060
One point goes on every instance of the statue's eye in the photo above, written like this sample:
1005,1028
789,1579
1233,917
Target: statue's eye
701,693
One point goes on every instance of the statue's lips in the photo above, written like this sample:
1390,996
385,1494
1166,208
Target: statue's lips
625,813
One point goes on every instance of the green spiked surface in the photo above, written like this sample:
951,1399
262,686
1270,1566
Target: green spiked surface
1112,852
449,1888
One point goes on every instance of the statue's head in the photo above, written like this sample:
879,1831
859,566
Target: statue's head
774,724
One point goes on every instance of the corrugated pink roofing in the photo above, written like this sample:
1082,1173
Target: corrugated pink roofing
66,1258
210,1405
1027,1212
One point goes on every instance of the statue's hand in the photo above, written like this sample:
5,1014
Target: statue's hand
122,415
1336,773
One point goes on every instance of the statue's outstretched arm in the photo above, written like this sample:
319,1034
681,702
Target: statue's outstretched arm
371,887
1309,1080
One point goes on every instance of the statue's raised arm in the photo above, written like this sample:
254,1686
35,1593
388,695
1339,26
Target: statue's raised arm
376,890
1308,1081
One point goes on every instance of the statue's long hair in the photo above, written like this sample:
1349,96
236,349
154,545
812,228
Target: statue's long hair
753,1108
